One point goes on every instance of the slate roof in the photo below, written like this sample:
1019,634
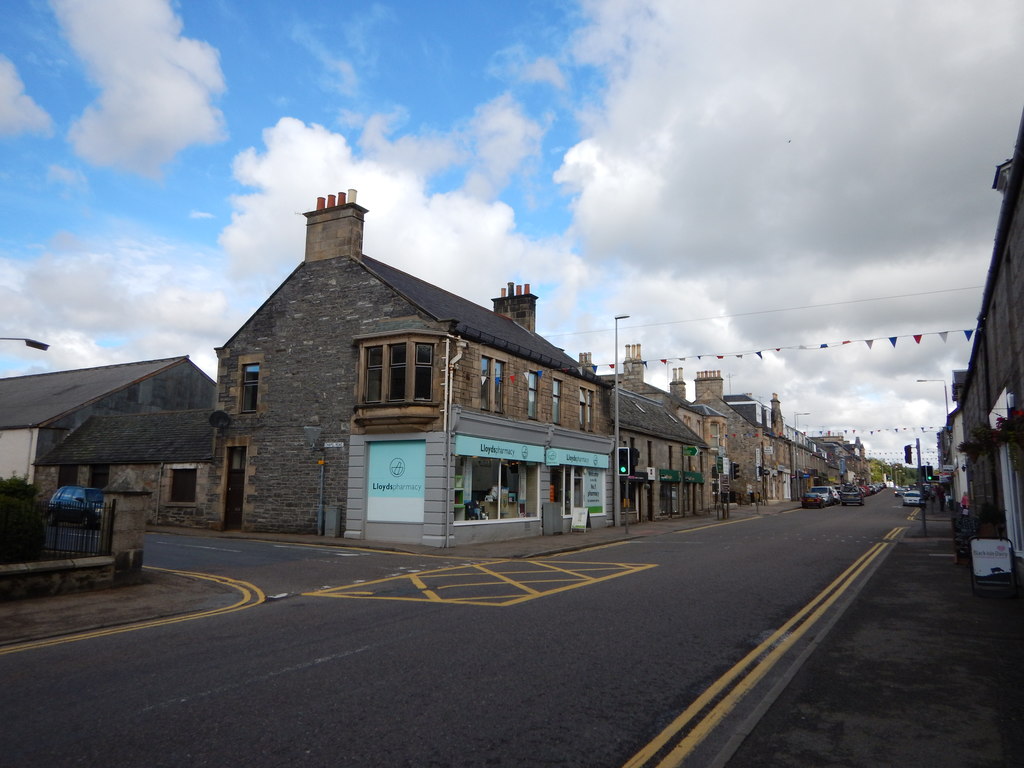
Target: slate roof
644,414
476,322
138,438
35,400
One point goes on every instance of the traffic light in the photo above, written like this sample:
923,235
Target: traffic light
929,472
622,457
908,455
634,459
735,470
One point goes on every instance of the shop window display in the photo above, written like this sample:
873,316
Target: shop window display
494,489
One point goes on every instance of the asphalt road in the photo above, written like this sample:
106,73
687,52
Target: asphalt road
369,658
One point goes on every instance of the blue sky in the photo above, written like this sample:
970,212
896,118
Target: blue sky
738,177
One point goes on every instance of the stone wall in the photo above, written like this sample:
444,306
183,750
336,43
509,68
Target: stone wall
55,577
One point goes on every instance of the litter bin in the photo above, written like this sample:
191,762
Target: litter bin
551,518
332,522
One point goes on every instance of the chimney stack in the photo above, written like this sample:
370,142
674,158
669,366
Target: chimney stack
677,387
632,367
710,386
335,228
518,304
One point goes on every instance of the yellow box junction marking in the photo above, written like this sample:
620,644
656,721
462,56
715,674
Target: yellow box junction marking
495,583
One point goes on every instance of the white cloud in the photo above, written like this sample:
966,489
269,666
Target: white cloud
431,235
504,138
750,162
106,302
544,70
18,112
156,86
71,179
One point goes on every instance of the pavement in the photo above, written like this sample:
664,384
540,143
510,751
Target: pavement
917,670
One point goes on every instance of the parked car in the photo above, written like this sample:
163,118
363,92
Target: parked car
814,499
851,495
76,504
830,493
912,499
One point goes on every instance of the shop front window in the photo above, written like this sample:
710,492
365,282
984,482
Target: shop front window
495,489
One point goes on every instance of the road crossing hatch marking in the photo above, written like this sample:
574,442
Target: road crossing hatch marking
496,583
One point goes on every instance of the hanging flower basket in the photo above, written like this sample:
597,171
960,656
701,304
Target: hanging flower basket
986,441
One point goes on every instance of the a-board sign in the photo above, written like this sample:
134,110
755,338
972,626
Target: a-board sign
580,516
992,571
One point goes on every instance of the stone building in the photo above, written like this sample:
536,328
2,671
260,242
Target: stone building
156,462
990,394
668,477
362,401
38,411
671,438
760,455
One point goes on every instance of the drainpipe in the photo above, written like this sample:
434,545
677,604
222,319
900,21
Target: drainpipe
449,375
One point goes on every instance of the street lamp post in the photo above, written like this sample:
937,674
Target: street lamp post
945,395
28,342
618,480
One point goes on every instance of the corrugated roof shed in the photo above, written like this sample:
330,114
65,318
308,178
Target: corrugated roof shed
35,400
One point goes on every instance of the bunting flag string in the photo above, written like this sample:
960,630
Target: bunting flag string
917,337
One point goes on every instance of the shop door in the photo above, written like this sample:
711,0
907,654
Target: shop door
234,495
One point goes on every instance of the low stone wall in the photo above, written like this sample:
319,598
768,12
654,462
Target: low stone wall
56,577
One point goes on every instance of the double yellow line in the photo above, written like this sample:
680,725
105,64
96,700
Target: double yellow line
250,595
682,736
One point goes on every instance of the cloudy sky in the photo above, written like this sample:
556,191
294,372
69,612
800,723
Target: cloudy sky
747,180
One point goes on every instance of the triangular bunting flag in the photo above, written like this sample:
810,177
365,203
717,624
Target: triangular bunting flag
968,334
644,363
917,337
869,342
892,339
759,355
943,335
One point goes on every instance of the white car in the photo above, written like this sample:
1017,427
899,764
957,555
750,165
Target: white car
912,499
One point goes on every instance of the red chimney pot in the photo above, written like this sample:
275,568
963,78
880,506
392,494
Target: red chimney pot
320,201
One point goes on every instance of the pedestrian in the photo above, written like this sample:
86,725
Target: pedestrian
940,493
965,505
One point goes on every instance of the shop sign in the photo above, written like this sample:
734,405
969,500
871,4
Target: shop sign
554,457
396,471
668,475
693,477
498,449
992,568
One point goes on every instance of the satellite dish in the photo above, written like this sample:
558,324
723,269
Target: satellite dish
219,419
